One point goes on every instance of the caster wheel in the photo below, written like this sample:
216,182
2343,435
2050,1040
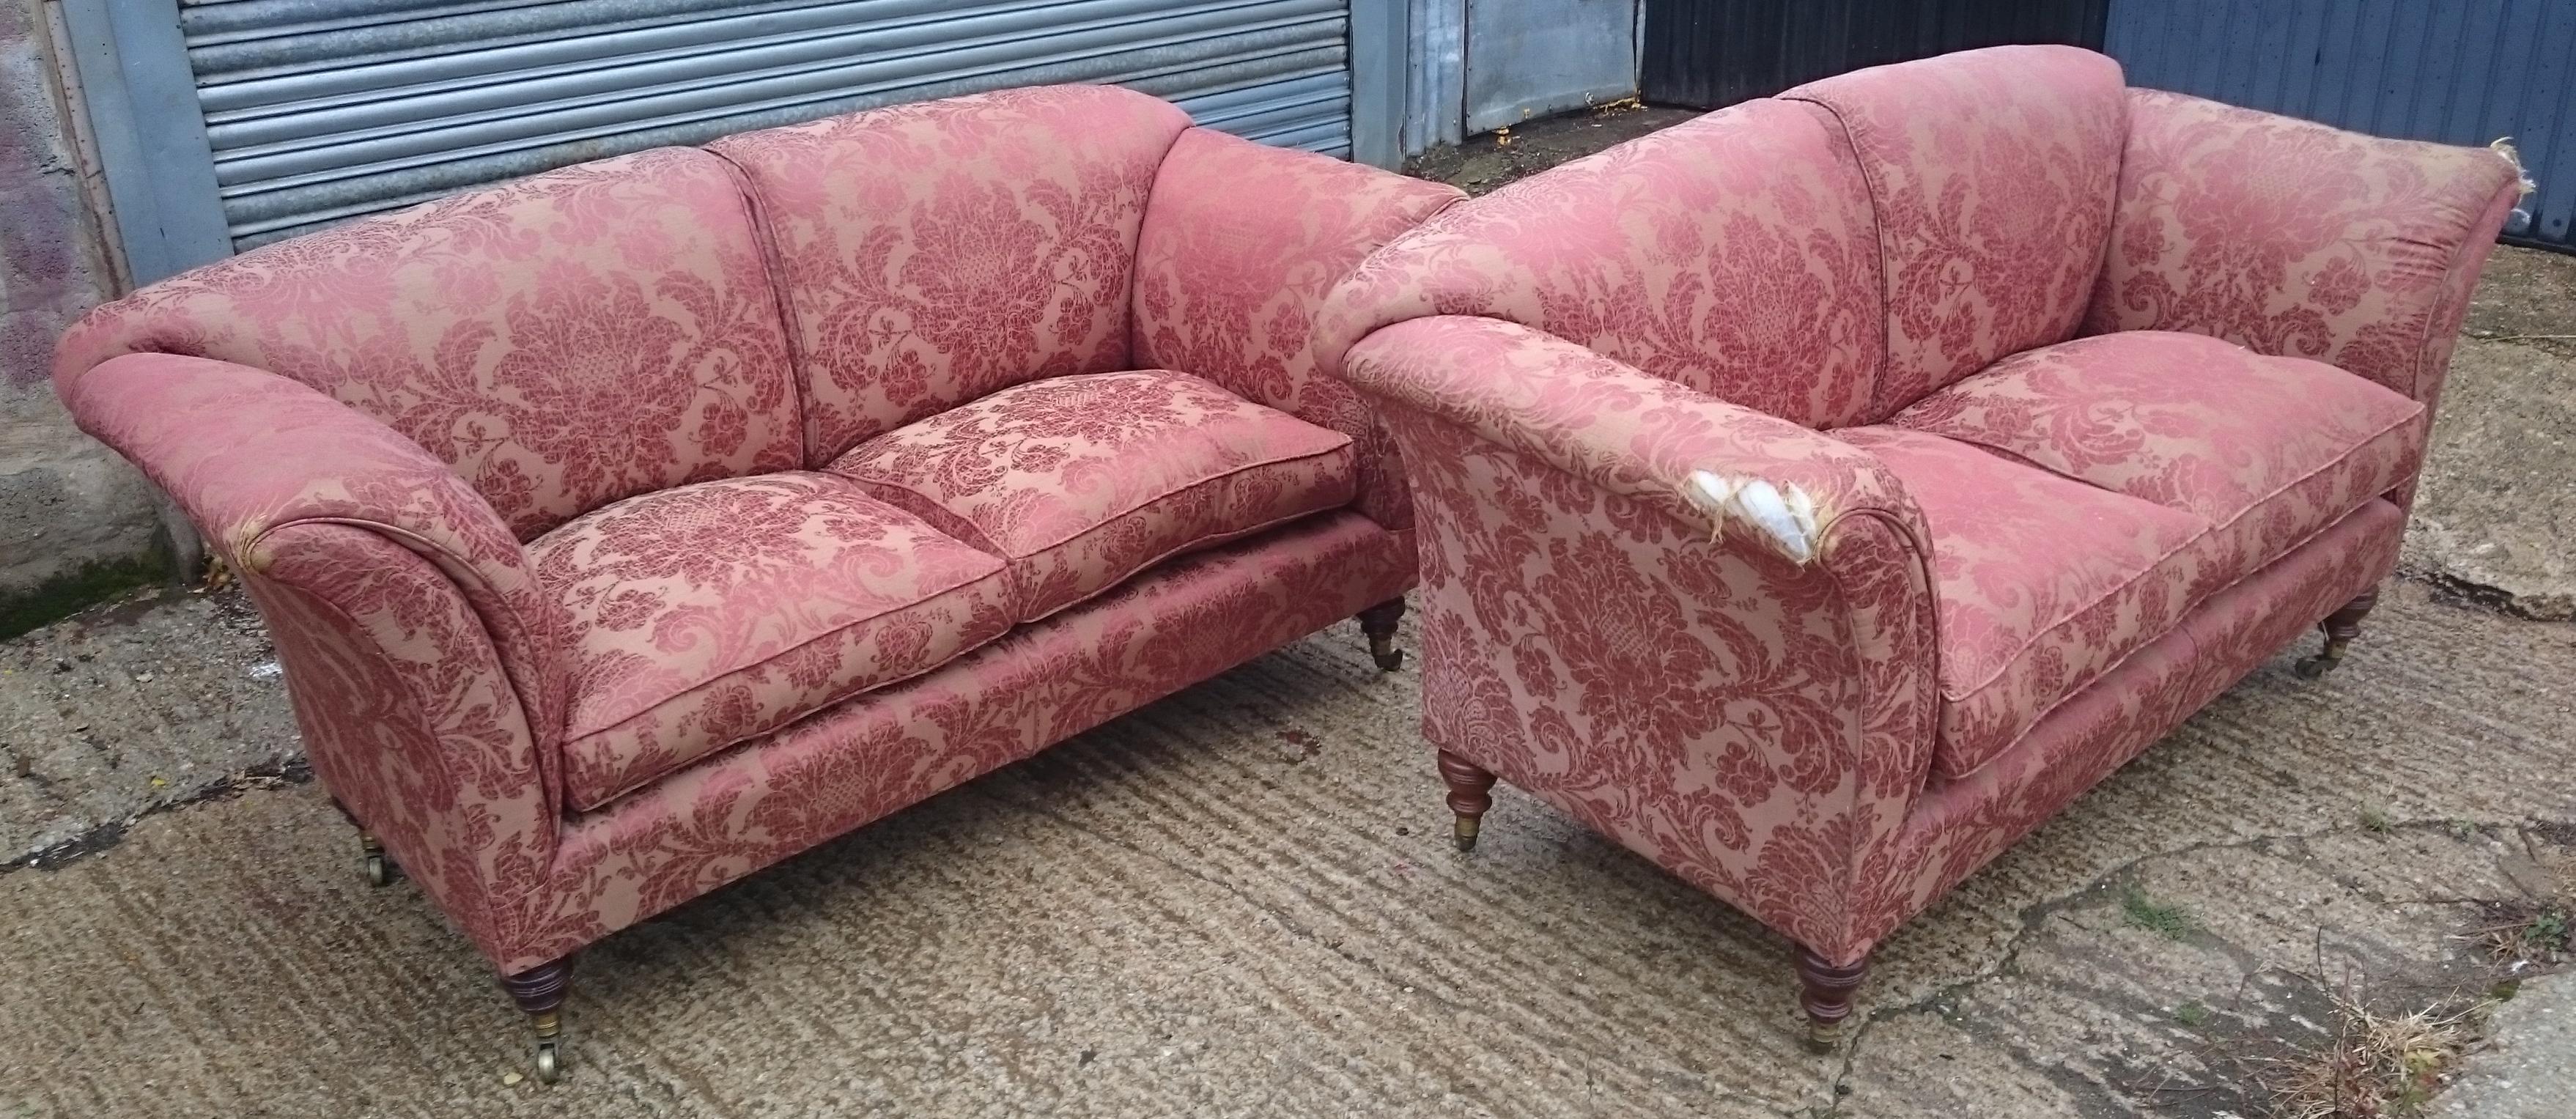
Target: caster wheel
2314,668
381,871
1389,660
1464,835
549,1063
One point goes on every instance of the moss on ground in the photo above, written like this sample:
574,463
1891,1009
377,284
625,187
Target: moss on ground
72,592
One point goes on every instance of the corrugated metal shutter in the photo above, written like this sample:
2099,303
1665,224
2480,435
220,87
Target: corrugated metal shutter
320,110
2457,71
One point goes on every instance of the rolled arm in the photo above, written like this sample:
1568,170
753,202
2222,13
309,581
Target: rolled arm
248,454
2299,240
1756,723
1241,244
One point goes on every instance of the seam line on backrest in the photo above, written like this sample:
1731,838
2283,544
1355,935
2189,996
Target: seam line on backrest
1878,239
774,266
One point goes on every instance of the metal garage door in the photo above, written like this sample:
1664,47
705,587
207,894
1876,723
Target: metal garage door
319,110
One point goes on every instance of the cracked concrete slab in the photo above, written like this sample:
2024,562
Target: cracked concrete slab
2528,1068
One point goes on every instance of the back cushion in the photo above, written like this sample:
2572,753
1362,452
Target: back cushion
1993,173
1732,254
933,253
562,341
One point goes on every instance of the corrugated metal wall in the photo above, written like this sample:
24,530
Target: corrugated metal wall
2458,71
1713,53
318,110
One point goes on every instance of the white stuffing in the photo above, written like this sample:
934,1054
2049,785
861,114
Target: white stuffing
1784,520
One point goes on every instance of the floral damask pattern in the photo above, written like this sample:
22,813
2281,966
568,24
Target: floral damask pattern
1241,244
2268,450
1959,826
2299,240
560,341
2042,583
1992,175
1744,720
733,814
709,614
1733,254
1080,482
935,252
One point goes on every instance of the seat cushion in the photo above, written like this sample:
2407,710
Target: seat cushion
1079,482
2041,584
2269,450
716,612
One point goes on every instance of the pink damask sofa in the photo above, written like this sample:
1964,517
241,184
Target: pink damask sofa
626,529
1817,496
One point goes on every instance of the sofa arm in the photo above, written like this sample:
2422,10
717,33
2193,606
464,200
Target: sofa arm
1241,244
2299,240
1756,723
247,453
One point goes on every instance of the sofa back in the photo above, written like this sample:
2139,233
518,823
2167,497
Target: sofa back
933,253
562,341
1992,174
1733,254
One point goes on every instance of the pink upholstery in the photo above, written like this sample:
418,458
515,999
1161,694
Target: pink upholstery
2267,450
1826,670
1733,254
2042,583
1240,246
561,341
1991,173
747,808
936,252
522,479
1745,721
709,614
2299,240
1080,482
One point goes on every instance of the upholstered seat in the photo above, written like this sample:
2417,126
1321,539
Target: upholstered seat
713,613
1080,482
2041,583
2270,450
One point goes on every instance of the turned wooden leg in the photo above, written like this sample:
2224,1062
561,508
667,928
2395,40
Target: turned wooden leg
540,992
1378,622
1470,794
2340,628
1827,994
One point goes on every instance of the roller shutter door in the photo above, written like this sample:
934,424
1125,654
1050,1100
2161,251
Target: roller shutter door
321,110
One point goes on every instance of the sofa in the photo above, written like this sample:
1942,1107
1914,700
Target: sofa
1818,495
628,528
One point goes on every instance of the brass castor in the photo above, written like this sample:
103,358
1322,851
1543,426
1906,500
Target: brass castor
380,867
549,1057
1378,622
1825,993
2311,668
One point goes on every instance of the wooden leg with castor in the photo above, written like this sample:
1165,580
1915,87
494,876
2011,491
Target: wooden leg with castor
2340,628
539,991
1471,792
1378,622
1826,994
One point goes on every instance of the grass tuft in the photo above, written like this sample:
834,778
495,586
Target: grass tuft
2375,1067
2171,922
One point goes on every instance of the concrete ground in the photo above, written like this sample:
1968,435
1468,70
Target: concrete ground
1242,901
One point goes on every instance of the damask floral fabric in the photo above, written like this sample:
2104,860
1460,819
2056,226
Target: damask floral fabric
2268,450
1184,621
561,341
712,613
248,453
2042,583
1081,482
1991,173
1733,254
1959,826
1240,246
936,252
2299,240
1753,724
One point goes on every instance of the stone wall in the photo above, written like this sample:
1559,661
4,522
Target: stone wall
76,522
